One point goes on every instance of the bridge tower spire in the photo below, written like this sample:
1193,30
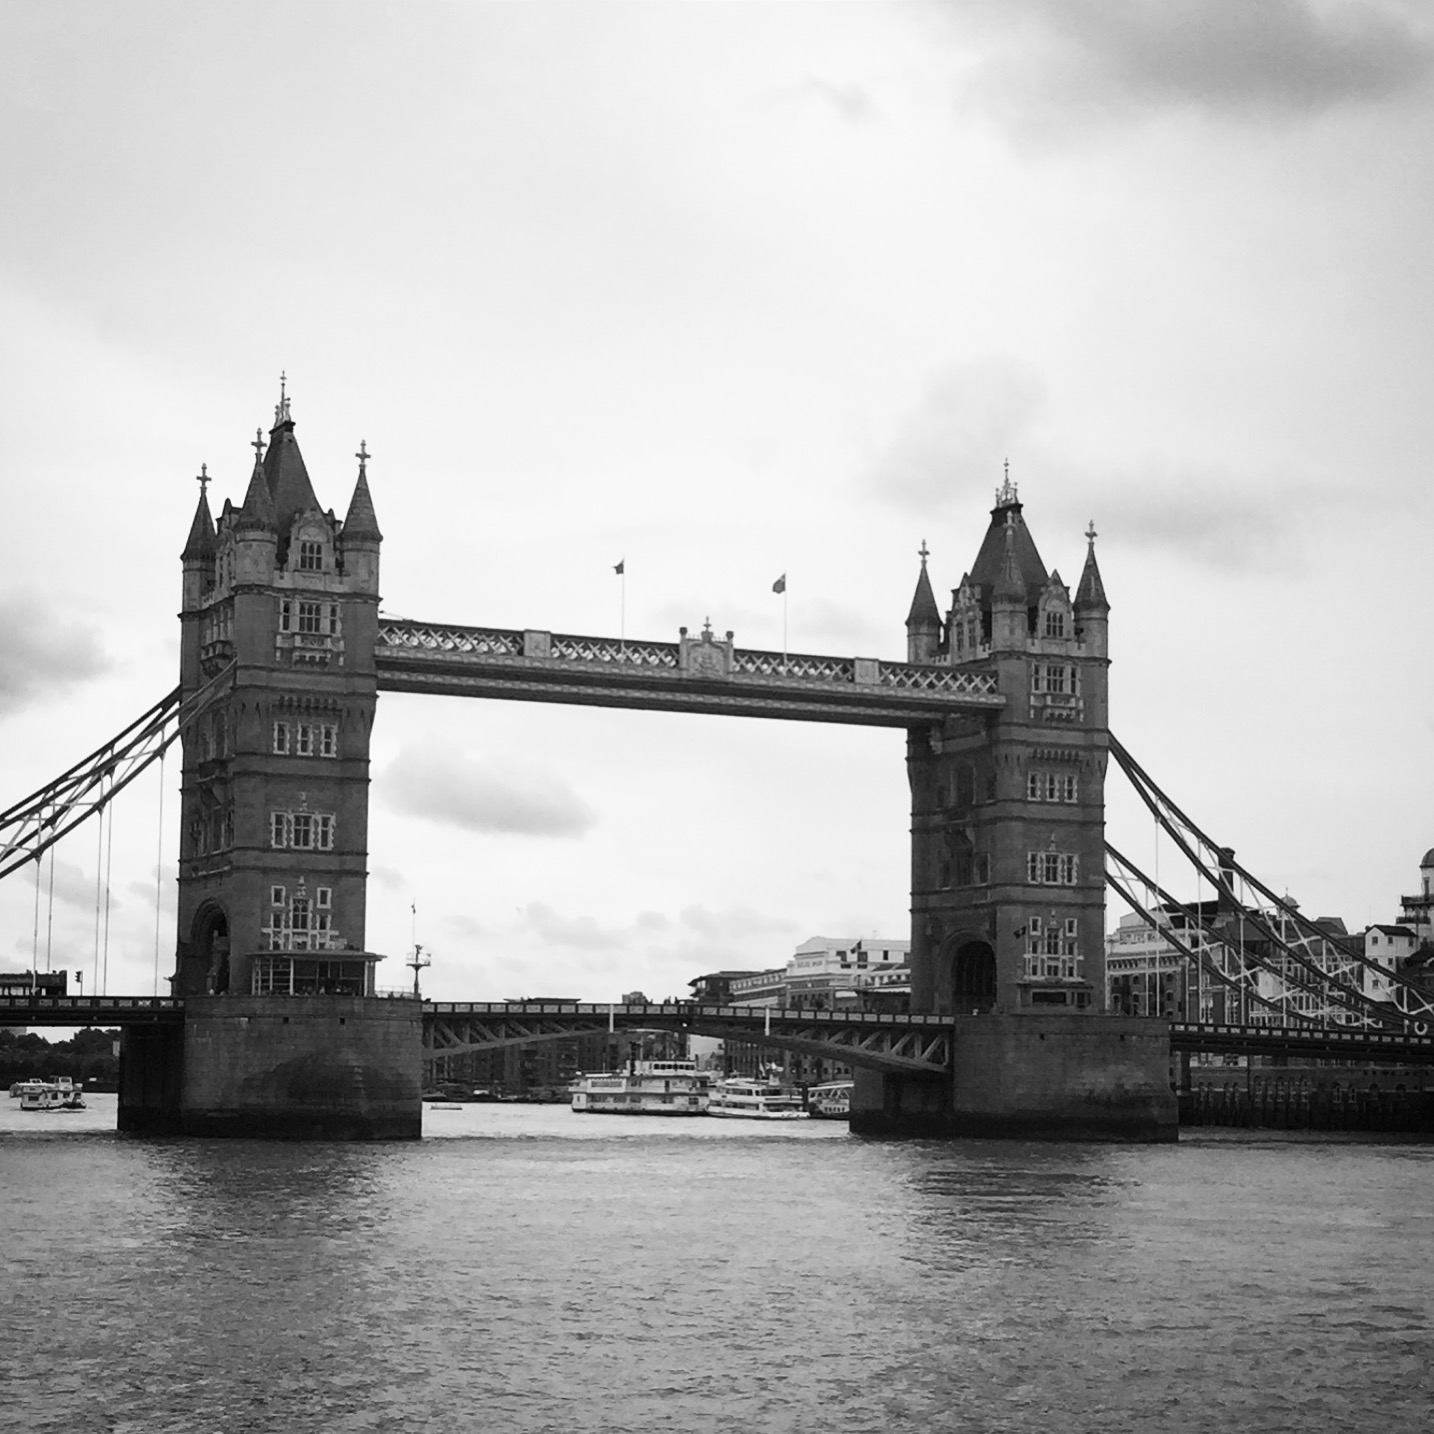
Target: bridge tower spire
274,796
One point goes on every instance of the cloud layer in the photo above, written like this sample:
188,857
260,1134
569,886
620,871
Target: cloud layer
459,790
1043,60
42,654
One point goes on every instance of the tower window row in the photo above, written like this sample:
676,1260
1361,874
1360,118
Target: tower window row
1052,787
1057,678
1053,948
306,739
299,922
314,619
302,831
1052,868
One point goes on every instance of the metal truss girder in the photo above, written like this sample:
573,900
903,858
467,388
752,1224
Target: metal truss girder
1325,1043
611,672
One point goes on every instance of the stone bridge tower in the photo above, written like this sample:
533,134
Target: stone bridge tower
274,798
1008,816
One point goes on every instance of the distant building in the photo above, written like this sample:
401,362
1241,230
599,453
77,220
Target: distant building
824,973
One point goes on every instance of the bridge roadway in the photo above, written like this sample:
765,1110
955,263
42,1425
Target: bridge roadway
882,1040
696,674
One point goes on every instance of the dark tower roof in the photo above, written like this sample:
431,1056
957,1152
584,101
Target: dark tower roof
990,560
256,513
284,470
1091,592
1010,583
201,542
924,612
361,521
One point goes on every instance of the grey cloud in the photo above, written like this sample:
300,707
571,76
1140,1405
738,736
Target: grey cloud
1207,515
1063,60
41,653
970,418
734,922
454,788
584,932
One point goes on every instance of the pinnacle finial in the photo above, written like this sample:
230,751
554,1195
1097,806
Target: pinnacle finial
281,409
1006,493
1090,533
363,456
258,444
923,552
203,480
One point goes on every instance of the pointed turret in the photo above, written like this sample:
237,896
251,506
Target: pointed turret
359,538
923,622
1091,592
1010,626
256,513
199,547
361,521
1092,611
285,473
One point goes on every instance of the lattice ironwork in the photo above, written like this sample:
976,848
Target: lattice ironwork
793,665
429,637
881,1041
1312,975
33,825
910,678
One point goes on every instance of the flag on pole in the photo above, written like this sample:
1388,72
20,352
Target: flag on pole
621,563
780,586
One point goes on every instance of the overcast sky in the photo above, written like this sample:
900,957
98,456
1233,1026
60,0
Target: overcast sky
728,291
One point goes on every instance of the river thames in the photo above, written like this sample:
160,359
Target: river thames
527,1269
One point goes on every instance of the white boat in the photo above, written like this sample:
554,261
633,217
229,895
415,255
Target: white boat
58,1094
644,1088
831,1100
755,1098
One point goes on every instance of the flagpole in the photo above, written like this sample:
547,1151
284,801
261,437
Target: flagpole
784,626
622,608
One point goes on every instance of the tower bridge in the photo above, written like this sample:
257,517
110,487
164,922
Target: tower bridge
274,1025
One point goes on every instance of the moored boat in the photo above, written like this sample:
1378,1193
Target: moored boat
673,1087
59,1094
755,1098
831,1100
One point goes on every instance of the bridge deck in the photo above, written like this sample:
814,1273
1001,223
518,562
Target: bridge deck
692,675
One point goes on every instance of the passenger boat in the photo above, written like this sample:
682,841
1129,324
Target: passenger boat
644,1088
831,1100
755,1098
59,1094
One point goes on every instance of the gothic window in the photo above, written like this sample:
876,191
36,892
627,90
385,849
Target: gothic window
311,556
328,740
281,738
278,829
1052,677
310,617
286,615
1052,868
1055,623
301,830
333,620
276,896
304,746
1052,787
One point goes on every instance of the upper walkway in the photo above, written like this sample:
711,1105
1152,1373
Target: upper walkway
695,674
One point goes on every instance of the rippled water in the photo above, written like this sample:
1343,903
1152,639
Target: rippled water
528,1269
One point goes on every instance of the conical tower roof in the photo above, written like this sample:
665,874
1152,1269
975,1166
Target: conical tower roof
284,470
924,612
1091,592
1010,584
990,560
256,513
361,521
201,542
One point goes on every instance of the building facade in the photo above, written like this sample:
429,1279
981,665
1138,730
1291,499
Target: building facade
1008,814
280,606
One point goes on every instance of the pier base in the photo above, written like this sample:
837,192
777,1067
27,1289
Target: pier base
1033,1077
279,1067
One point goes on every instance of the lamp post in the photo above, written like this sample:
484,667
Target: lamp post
418,961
